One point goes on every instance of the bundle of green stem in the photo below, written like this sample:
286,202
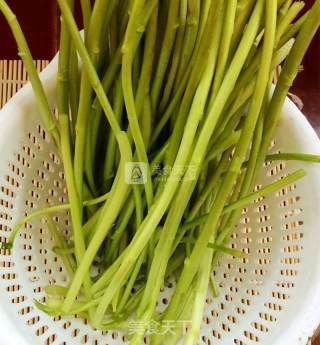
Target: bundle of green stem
183,88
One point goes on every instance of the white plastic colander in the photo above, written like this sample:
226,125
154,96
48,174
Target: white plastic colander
270,297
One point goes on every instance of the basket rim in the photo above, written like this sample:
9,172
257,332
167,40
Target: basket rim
303,327
300,328
13,108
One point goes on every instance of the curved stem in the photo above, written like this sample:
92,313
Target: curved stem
25,54
239,59
52,209
190,36
90,70
176,57
59,240
289,156
224,49
108,216
136,26
165,52
292,13
148,62
163,249
86,13
110,155
288,74
99,19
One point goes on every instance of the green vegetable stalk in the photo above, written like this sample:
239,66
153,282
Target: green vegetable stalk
180,91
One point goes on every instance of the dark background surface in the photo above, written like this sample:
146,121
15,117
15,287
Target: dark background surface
40,22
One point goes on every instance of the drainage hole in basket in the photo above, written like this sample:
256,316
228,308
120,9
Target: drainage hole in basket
290,201
13,288
267,317
9,276
214,313
4,252
261,208
291,261
31,268
33,320
37,184
206,340
293,237
4,227
18,299
40,331
225,328
252,292
67,324
239,342
265,229
276,169
288,285
55,159
251,336
292,249
260,327
51,339
291,213
264,261
12,181
246,301
292,225
28,151
38,289
264,240
206,320
273,306
6,204
22,160
240,311
26,310
34,279
16,170
75,332
280,295
84,339
5,216
8,192
232,319
286,190
289,272
48,166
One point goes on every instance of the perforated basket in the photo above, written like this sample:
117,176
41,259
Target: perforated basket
270,297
